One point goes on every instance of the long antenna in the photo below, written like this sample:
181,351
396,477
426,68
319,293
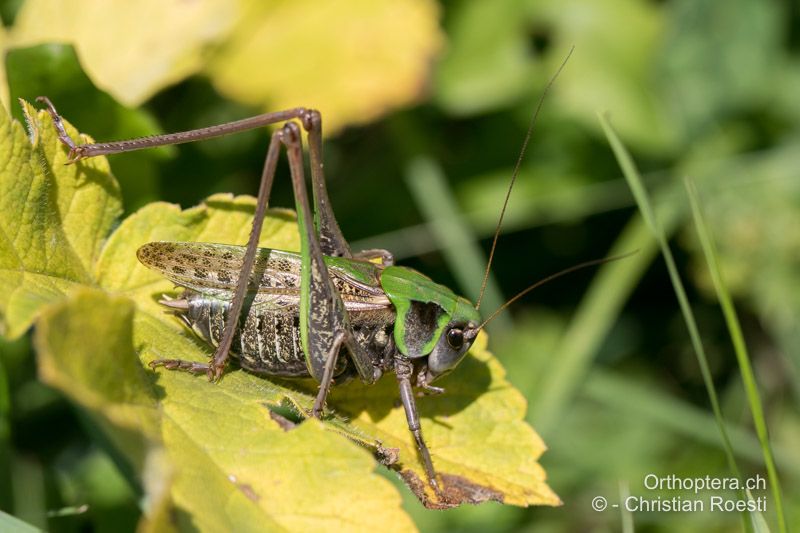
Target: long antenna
516,173
551,277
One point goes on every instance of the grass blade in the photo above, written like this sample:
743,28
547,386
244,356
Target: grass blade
739,346
11,524
642,199
626,517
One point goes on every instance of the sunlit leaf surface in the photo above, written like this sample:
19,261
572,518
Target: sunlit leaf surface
130,49
353,60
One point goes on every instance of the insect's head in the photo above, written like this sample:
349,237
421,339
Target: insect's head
433,325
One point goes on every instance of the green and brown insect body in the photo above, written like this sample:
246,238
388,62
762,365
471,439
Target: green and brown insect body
255,302
435,331
434,326
294,314
268,339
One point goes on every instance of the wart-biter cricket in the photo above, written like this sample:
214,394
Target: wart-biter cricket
291,314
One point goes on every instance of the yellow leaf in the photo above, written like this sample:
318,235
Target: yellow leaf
480,444
129,49
351,59
53,219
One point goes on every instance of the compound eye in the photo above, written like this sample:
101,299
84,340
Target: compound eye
455,338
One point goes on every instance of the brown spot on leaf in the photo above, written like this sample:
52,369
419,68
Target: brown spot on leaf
455,491
246,489
462,490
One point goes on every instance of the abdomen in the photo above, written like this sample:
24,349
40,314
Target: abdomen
269,342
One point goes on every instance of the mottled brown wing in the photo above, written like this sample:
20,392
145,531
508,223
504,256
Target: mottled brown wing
213,269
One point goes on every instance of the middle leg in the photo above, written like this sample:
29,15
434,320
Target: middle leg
322,313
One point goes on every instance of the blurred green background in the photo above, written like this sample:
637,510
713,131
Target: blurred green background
702,88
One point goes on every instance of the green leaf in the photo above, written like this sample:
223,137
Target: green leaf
488,63
51,228
233,462
615,43
714,74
